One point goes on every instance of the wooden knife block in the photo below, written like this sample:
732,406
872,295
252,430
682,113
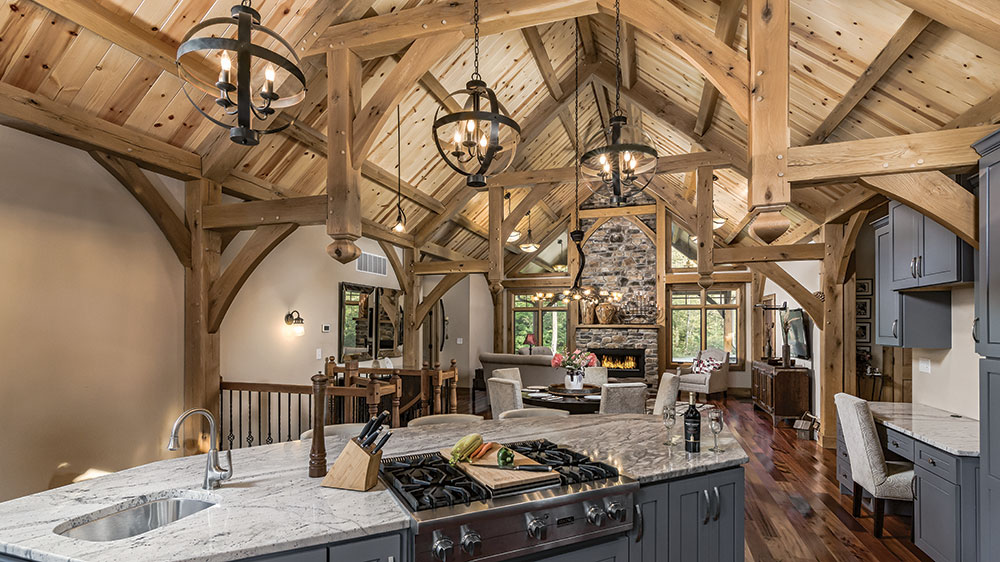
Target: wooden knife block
354,469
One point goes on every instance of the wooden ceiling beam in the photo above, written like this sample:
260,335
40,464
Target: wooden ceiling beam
439,251
907,33
983,113
389,33
457,201
630,66
934,195
726,26
768,133
529,201
978,19
671,164
851,231
514,265
36,114
754,254
722,65
858,199
946,150
541,56
445,267
587,38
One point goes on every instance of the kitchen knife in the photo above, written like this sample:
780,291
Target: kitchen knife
524,467
369,440
366,429
379,421
381,442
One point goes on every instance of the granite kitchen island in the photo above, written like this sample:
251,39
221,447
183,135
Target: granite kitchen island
271,506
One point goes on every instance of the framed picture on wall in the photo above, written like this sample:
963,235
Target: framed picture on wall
865,287
863,332
862,348
863,308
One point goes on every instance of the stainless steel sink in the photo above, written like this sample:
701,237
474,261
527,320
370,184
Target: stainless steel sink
134,520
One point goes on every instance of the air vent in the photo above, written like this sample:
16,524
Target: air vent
372,263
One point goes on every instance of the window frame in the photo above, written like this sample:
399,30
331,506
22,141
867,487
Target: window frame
738,307
537,310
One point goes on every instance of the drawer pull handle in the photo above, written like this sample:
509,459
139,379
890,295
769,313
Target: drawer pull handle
639,523
895,323
708,507
895,444
718,505
930,460
913,272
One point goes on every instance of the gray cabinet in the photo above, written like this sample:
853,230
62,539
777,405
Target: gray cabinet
989,458
307,555
706,518
387,548
924,253
616,550
906,319
987,326
648,539
946,500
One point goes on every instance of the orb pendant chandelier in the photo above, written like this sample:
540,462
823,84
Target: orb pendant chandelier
256,69
479,139
621,155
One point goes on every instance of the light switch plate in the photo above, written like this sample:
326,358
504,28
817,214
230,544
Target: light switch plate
459,341
319,353
925,366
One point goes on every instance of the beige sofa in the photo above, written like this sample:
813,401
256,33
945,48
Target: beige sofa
536,370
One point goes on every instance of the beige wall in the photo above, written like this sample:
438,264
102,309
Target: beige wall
299,275
470,318
953,383
91,323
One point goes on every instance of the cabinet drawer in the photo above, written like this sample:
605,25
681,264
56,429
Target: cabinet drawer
842,453
844,474
898,443
936,461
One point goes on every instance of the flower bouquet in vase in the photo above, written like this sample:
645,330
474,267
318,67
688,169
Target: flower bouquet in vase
574,364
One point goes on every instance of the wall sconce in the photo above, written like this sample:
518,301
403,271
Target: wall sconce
297,324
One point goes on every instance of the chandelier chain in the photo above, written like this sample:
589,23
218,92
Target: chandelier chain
618,58
576,123
475,23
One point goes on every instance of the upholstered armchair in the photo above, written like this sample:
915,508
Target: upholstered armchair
707,383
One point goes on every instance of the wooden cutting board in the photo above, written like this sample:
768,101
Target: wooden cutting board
501,479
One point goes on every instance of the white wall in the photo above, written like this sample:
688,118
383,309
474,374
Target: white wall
953,383
470,318
297,275
91,323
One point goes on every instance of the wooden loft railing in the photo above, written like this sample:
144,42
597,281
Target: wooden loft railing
253,414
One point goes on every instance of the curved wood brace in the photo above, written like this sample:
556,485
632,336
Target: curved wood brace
446,282
224,289
642,226
397,266
594,228
721,65
808,301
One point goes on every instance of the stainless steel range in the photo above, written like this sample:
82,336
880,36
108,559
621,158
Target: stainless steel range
458,519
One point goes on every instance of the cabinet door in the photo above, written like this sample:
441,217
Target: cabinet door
386,548
887,306
310,555
611,551
905,224
690,507
936,516
988,279
728,517
648,539
939,260
989,418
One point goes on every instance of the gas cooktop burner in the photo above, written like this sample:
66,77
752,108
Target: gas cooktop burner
573,467
426,481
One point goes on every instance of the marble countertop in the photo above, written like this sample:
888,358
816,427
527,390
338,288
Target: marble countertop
271,505
938,428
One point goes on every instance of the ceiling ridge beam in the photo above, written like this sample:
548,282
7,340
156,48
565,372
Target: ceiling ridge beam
905,35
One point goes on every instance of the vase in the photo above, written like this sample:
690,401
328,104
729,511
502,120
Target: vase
786,355
606,313
586,312
573,380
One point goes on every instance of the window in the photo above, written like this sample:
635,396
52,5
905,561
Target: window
700,319
546,318
683,249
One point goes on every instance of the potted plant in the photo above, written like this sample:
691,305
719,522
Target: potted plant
574,363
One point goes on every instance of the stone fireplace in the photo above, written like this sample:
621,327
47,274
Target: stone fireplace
623,362
619,339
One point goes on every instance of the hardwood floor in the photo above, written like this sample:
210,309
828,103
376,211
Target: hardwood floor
794,510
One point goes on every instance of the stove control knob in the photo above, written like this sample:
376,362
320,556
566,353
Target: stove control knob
536,527
617,511
471,541
442,547
595,515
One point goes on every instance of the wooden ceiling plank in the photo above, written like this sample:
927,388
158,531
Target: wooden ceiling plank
900,41
983,113
727,69
726,26
36,114
978,19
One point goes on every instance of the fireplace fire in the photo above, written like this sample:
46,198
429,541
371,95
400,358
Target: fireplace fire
618,362
622,362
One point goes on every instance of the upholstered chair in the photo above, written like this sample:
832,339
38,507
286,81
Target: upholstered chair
444,418
666,394
504,395
595,375
707,383
511,374
343,429
870,471
533,413
623,398
536,350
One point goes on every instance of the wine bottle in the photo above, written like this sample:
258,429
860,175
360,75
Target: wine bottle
692,427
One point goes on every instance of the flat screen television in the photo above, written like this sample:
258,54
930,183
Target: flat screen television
798,332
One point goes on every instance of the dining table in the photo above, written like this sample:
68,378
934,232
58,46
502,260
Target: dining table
571,404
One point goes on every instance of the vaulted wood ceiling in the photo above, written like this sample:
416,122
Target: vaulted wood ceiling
858,70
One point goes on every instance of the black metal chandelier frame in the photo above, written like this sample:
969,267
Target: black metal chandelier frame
247,22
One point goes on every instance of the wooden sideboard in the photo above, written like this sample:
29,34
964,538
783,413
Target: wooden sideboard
782,392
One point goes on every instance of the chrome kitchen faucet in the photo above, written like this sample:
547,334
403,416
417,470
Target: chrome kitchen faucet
214,474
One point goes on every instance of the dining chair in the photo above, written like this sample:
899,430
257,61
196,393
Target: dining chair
444,418
595,375
533,413
510,373
869,470
505,395
346,429
666,393
623,398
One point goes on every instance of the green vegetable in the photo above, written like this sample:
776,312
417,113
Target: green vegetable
505,457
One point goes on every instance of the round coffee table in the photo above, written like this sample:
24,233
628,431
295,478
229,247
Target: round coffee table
571,404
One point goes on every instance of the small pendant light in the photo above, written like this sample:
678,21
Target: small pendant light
529,244
400,215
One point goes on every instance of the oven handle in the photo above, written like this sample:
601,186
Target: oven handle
639,523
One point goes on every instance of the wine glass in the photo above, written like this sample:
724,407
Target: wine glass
669,421
715,424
